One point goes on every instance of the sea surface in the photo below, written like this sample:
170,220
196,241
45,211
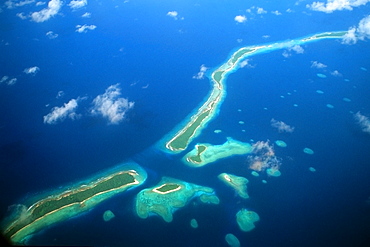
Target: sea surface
152,56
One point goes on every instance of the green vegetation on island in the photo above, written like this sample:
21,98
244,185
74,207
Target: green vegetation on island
55,208
204,153
152,201
207,111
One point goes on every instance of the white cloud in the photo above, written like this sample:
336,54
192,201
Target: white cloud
110,106
245,63
261,11
336,73
360,33
4,78
318,65
86,15
174,15
296,48
276,12
32,70
46,13
76,4
11,81
363,121
40,3
84,28
51,35
60,113
60,94
11,4
240,18
22,16
200,74
286,54
333,5
350,36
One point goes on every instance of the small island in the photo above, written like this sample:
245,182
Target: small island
170,195
239,184
246,219
205,153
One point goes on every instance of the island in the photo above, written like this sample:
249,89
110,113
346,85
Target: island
239,184
205,153
170,195
179,139
246,219
27,220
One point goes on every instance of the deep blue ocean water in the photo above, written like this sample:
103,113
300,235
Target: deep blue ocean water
153,57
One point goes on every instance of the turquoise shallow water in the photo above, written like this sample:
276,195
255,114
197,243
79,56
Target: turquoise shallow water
154,57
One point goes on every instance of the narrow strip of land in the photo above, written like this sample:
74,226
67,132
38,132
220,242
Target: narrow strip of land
208,110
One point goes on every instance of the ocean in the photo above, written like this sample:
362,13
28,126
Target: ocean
152,57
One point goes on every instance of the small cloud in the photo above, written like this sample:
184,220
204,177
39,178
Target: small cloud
46,13
362,32
245,63
286,54
318,65
276,12
60,94
68,110
296,48
22,16
174,15
4,78
336,73
281,126
363,121
40,3
11,81
86,15
240,18
266,36
51,35
76,4
200,74
11,4
84,28
261,11
332,5
350,37
32,70
239,40
110,106
289,11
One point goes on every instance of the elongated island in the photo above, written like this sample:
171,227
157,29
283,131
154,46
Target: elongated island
179,140
27,220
